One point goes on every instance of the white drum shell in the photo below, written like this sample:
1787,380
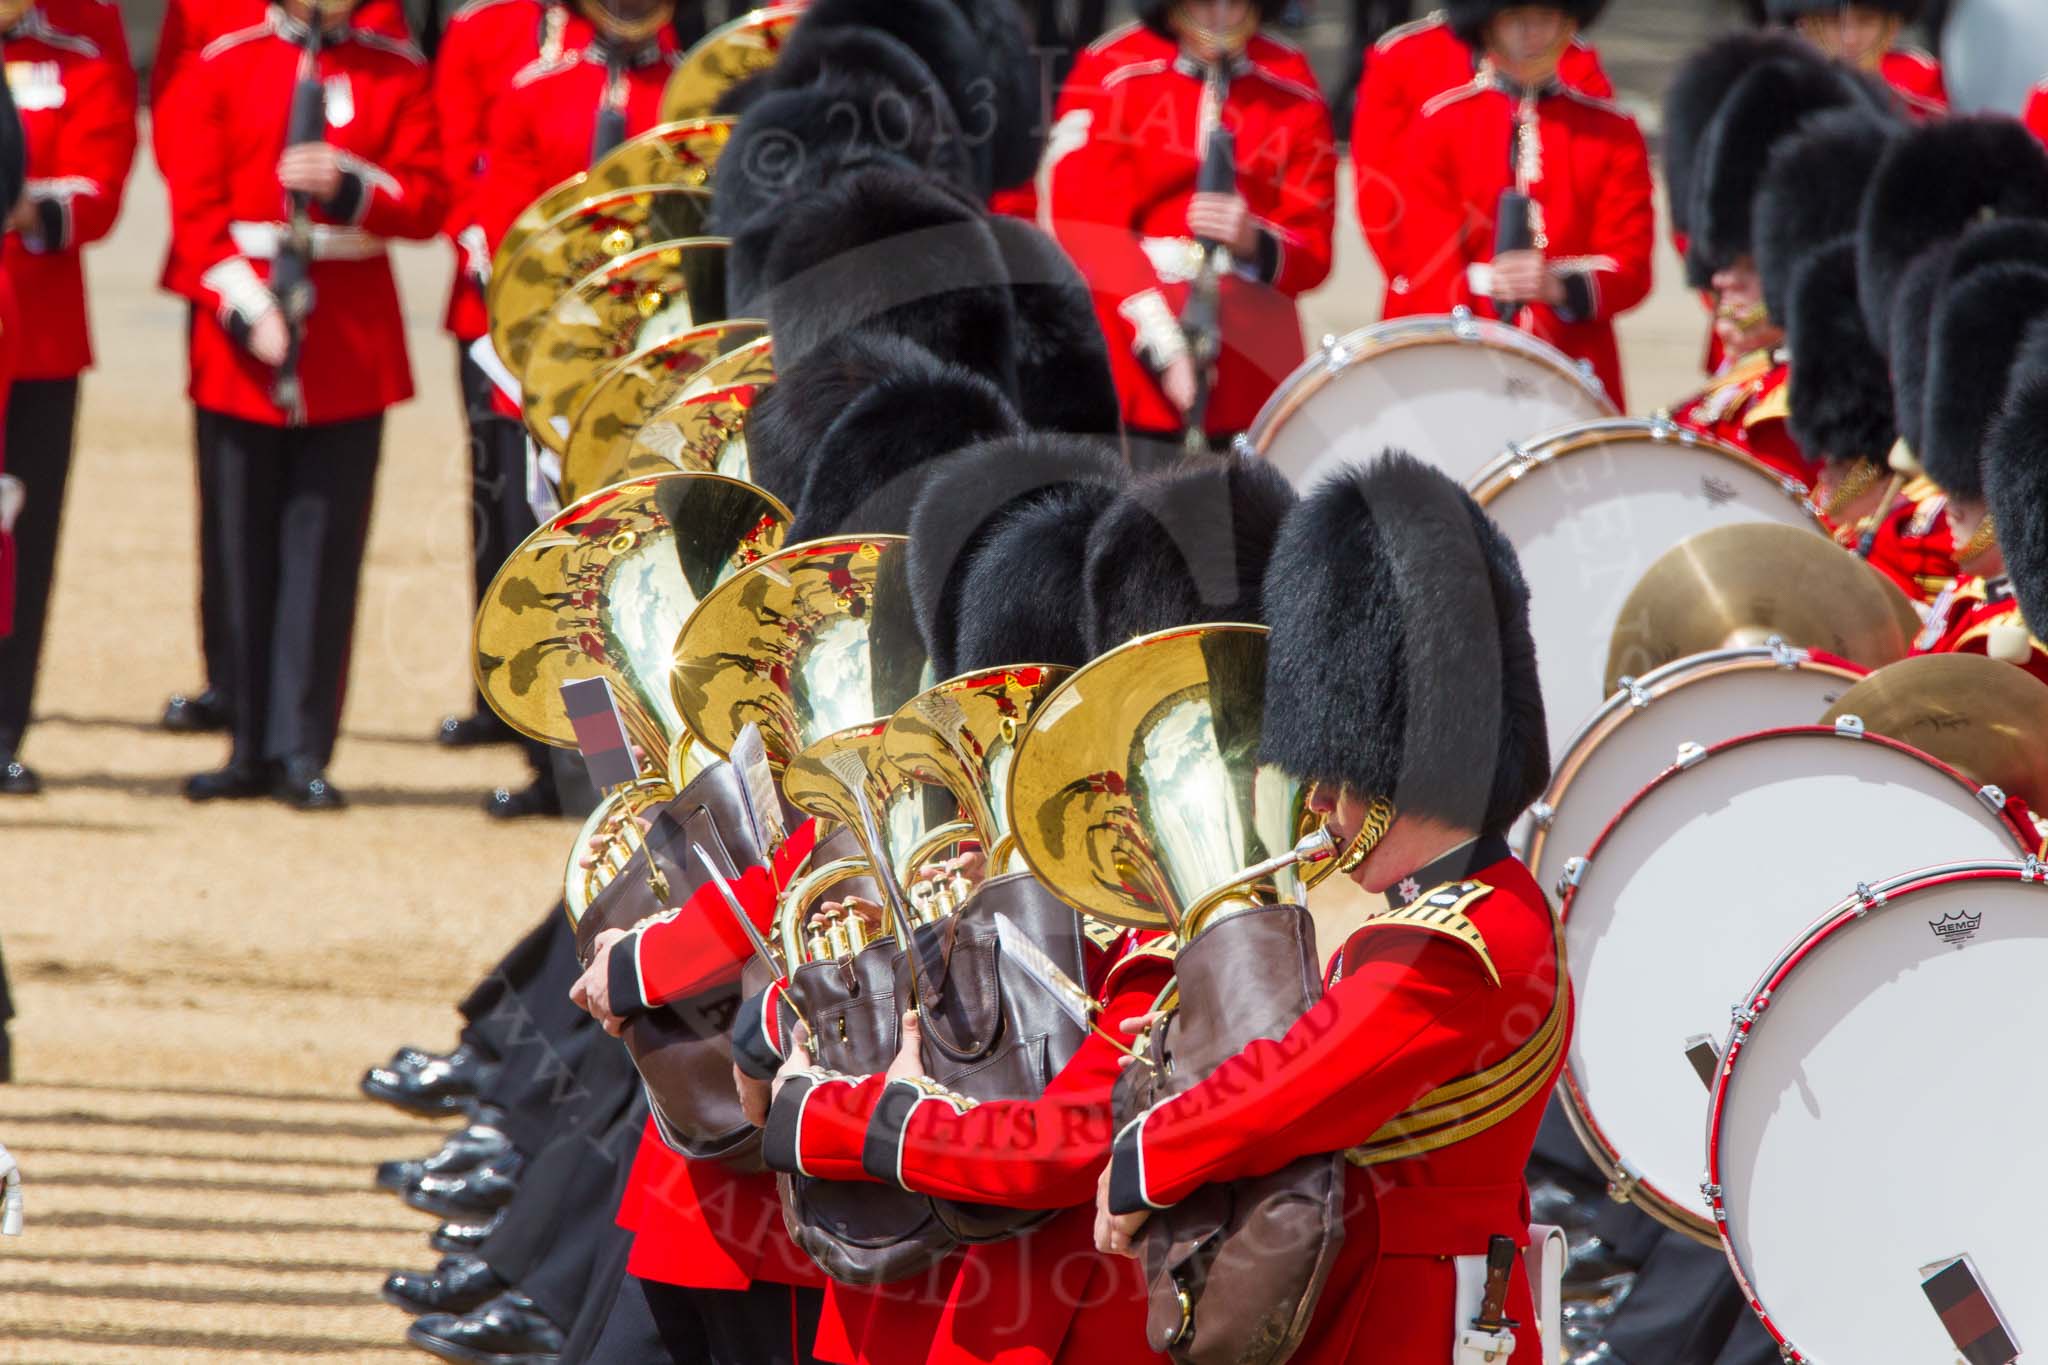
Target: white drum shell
1701,881
1454,392
1589,509
1884,1113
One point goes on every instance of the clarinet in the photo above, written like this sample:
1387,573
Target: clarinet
1201,319
291,274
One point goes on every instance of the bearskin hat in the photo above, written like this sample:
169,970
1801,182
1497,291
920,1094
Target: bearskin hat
1766,104
1841,393
833,259
866,102
1810,193
1157,15
1401,661
1932,182
985,502
1912,322
1785,11
1702,81
787,423
1469,18
1979,323
865,475
1064,381
2016,477
979,54
1185,545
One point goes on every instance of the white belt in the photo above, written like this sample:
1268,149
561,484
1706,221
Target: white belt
1176,260
263,241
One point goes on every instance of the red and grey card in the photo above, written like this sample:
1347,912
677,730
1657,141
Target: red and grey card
1973,1321
600,732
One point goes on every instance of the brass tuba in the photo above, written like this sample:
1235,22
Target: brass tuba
726,56
658,409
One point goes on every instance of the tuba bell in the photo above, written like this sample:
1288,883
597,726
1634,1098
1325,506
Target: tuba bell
726,56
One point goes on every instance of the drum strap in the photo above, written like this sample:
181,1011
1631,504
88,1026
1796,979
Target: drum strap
1470,1105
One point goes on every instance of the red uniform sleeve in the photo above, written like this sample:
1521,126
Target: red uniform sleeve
219,277
1381,119
1400,1024
516,175
1624,231
1580,69
2037,111
79,193
460,103
403,194
1304,226
1437,223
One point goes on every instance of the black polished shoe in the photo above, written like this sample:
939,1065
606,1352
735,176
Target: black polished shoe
535,798
470,732
411,1060
236,782
474,1193
204,714
444,1085
16,777
303,786
457,1285
509,1330
465,1150
457,1238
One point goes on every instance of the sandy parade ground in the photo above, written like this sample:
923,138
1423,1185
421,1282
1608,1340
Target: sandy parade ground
200,987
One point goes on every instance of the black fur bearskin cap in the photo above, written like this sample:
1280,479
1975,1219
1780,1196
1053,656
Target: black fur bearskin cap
840,257
1841,393
2016,477
1064,380
1912,321
1979,323
1469,18
993,570
1157,15
789,418
1401,663
1183,546
867,470
1701,82
1785,11
1932,182
1810,193
1766,105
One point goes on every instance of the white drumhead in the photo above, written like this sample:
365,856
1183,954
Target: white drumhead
1417,385
1694,890
1704,700
1589,512
1884,1114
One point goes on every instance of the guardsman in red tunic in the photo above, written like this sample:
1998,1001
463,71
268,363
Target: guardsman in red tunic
67,69
484,46
296,481
1125,156
1386,570
2036,113
1407,68
1864,34
1582,166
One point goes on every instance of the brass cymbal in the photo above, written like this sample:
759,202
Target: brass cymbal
724,57
699,431
597,230
549,206
1984,718
681,153
629,391
650,296
1137,794
603,589
1741,585
806,643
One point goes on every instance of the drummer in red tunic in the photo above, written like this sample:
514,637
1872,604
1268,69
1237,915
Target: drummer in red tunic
1407,68
1384,695
1580,162
1124,160
1864,34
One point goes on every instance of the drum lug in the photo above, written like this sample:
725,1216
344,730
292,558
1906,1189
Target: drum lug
1849,727
1622,1189
1638,695
1710,1192
1867,900
1336,355
1242,447
1574,872
1743,1015
1993,797
1662,428
2033,870
1543,814
1520,461
1464,326
1691,755
1783,654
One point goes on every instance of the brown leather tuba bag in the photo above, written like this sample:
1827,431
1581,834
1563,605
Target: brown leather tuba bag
1267,1243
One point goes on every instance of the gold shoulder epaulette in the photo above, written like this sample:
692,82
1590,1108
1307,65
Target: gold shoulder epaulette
1442,911
1774,406
1101,932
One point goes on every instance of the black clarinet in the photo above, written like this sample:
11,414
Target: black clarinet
1201,319
291,274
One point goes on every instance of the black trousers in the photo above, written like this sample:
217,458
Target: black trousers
42,416
295,514
527,994
665,1324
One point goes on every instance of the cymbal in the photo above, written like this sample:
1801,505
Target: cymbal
1984,718
1742,585
681,153
591,234
629,391
724,57
656,293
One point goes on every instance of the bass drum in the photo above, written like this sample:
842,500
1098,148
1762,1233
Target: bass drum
1454,391
1705,876
1699,701
1590,509
1876,1119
